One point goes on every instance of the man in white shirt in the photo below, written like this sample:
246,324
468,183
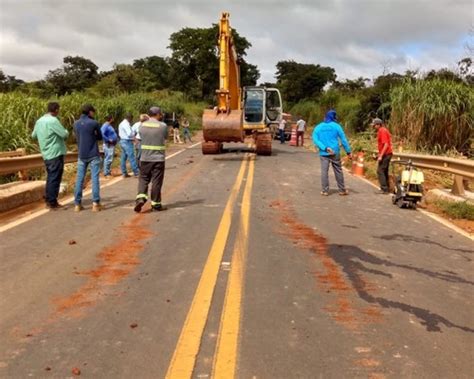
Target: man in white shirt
300,129
127,137
136,131
281,129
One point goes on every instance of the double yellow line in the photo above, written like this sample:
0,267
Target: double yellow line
187,348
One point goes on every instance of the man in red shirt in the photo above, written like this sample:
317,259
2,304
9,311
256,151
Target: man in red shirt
384,140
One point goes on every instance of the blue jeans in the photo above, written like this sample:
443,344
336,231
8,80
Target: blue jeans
186,134
108,158
128,153
282,135
81,174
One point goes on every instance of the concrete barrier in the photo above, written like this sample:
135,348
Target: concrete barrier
16,194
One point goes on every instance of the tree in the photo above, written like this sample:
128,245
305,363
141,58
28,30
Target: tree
194,63
349,85
9,83
158,67
300,81
124,78
76,74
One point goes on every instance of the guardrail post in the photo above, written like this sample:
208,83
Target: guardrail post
458,185
23,174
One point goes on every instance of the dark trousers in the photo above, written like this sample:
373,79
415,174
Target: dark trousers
335,162
153,172
382,172
298,135
282,135
54,170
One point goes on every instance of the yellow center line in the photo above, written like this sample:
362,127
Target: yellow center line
225,358
187,348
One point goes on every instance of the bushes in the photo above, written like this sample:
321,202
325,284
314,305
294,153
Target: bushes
459,209
20,111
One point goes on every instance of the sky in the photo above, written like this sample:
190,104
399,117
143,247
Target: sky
355,37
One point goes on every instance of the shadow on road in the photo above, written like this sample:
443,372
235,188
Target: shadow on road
408,238
183,204
351,260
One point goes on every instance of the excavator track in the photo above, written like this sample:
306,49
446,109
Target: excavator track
263,144
211,147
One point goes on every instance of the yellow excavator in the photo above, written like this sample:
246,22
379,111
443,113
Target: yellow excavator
249,111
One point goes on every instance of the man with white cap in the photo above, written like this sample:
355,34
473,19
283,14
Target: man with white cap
153,134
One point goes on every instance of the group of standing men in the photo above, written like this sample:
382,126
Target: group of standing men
300,130
144,141
148,138
329,134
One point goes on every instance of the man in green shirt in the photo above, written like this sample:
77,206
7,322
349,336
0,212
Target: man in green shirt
51,136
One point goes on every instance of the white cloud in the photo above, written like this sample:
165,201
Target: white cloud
356,37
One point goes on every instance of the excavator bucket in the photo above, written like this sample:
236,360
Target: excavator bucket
222,127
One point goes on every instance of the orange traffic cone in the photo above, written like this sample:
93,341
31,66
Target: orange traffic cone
293,141
358,165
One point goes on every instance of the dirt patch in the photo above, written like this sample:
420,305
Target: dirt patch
331,278
115,263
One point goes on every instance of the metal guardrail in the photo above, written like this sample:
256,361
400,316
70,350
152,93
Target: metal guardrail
28,162
461,167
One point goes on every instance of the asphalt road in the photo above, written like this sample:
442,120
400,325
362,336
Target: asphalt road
250,273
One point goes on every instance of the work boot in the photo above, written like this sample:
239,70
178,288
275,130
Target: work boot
158,208
78,208
54,206
139,205
96,207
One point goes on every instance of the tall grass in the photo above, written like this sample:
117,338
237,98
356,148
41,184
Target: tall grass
20,112
435,115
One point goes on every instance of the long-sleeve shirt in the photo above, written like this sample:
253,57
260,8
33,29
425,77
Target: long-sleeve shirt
108,133
87,132
125,130
51,136
328,134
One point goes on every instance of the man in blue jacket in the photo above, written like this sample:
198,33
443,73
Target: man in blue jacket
87,132
326,137
110,140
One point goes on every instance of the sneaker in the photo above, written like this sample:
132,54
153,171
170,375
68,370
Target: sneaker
138,206
78,208
96,207
324,193
344,193
125,176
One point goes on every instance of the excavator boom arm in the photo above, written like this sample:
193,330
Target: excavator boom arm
229,74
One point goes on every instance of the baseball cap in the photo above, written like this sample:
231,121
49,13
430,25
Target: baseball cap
154,111
376,121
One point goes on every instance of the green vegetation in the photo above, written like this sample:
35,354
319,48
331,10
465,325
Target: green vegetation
435,114
20,111
458,209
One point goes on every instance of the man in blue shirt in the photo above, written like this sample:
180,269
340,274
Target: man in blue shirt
110,140
87,132
326,137
127,137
